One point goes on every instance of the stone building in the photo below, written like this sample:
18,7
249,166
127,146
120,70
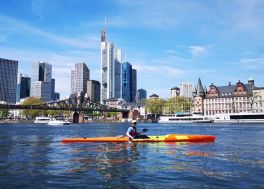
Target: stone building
258,99
229,99
198,98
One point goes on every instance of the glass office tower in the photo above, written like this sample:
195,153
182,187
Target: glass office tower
8,80
111,67
41,83
133,91
23,87
126,81
141,95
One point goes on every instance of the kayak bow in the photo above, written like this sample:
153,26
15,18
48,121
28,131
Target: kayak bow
164,138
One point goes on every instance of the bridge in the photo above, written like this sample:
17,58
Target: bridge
76,103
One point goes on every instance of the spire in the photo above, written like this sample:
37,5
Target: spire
103,32
105,23
200,89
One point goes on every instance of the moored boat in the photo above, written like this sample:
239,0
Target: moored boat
42,119
243,117
54,121
164,138
184,118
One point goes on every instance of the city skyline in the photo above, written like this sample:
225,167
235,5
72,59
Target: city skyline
168,43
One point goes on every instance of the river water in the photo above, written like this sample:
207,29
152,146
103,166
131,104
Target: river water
32,156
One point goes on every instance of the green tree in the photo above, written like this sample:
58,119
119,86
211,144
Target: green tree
4,113
33,113
177,104
154,106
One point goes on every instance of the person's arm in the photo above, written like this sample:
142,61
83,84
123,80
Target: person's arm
127,133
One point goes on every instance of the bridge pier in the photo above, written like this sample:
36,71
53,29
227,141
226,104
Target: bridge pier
77,117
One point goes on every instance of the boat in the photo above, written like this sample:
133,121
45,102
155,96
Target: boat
242,117
164,138
42,119
184,118
54,121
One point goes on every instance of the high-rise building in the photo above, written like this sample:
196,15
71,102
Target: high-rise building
111,58
93,90
43,90
126,81
141,95
23,87
133,92
186,89
8,80
79,77
41,80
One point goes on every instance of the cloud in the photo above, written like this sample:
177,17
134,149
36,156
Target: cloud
37,8
197,50
21,28
253,63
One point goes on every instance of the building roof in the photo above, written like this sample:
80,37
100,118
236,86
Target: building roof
175,88
153,95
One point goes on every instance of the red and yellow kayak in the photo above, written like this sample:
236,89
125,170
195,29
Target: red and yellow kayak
164,138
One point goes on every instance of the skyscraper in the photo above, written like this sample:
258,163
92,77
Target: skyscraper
93,90
141,95
126,81
133,92
111,58
8,80
41,84
186,89
23,87
79,77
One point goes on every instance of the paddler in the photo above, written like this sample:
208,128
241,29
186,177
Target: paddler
132,131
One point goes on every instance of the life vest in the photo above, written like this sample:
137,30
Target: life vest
133,133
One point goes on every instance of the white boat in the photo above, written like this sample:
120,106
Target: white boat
42,119
54,121
243,117
184,118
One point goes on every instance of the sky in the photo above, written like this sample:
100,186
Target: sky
167,41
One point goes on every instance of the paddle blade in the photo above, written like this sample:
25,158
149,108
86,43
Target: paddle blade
145,130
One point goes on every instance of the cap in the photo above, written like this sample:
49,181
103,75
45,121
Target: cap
134,121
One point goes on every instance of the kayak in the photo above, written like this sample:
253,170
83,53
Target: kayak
164,138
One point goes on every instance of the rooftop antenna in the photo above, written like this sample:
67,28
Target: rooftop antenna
105,23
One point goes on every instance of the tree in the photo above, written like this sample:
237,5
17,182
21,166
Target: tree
154,106
177,104
4,113
33,113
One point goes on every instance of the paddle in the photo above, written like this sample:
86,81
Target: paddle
144,130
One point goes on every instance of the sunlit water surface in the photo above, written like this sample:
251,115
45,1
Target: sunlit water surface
32,156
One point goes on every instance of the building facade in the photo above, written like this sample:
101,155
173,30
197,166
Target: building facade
8,80
42,90
79,77
199,94
186,89
141,95
126,81
93,90
23,87
229,99
175,91
111,59
258,99
41,81
133,86
41,71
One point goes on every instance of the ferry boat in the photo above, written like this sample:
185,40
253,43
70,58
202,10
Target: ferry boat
184,118
42,119
243,117
54,121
